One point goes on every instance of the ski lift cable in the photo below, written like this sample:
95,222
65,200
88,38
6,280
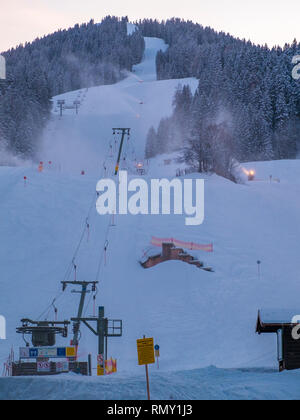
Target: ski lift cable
72,263
101,260
55,300
102,256
92,296
87,305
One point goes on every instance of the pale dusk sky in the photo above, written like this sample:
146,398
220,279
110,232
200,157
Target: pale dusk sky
274,22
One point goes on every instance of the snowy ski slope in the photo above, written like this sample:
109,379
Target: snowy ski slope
199,319
138,102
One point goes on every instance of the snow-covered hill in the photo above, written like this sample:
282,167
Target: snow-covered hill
139,102
198,318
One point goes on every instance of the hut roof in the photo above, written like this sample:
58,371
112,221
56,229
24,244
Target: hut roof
271,320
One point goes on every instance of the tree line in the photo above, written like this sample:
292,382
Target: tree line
86,55
247,102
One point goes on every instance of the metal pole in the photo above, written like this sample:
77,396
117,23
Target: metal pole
259,271
147,380
148,386
80,311
101,331
106,339
120,150
90,364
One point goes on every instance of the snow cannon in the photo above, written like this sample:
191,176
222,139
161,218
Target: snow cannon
140,168
251,175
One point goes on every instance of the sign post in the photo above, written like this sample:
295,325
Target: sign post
145,348
157,354
259,271
100,365
148,385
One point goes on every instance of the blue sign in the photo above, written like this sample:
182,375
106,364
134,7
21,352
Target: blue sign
61,352
33,353
156,347
47,352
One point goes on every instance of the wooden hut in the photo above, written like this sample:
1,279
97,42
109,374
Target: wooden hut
286,324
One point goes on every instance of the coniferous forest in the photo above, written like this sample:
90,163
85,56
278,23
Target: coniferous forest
246,107
86,55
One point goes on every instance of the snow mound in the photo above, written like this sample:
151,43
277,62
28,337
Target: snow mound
202,384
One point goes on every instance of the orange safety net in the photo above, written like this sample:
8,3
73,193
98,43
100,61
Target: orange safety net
110,366
188,245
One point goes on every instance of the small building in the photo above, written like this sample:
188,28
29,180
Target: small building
286,324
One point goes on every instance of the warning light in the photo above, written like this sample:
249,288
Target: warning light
251,175
140,168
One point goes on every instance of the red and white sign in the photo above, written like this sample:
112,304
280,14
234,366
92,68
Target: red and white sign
43,367
62,367
100,360
24,353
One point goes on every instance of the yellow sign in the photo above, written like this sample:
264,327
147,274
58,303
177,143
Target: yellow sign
145,349
100,370
71,352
